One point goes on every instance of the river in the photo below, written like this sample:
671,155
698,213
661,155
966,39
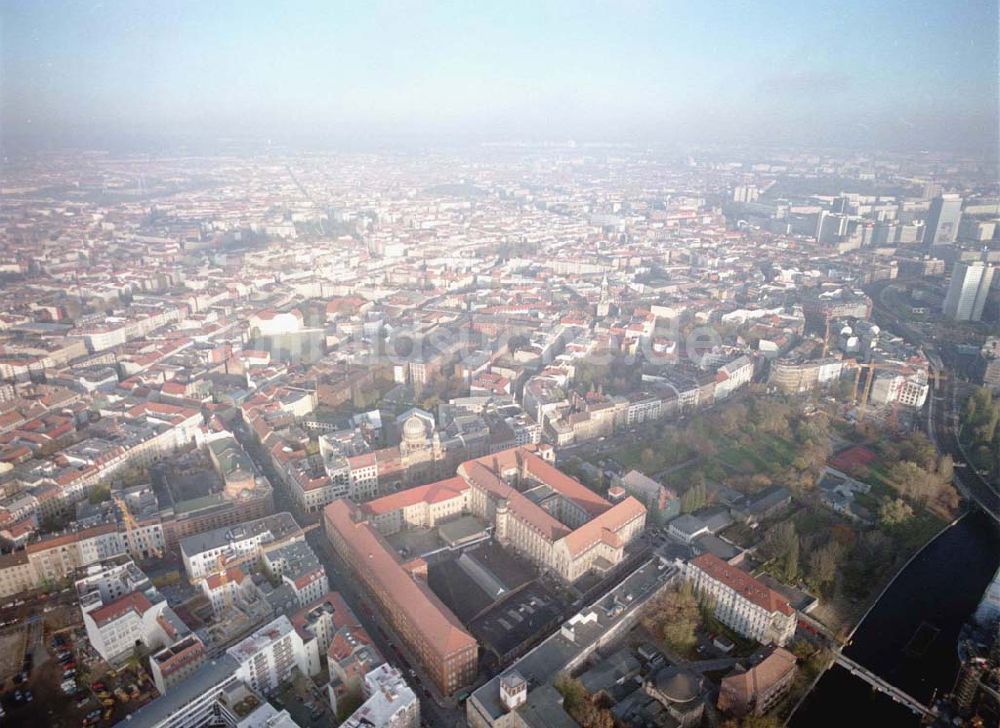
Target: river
909,637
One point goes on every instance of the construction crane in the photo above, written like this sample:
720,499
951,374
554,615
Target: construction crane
871,367
826,336
938,378
131,526
227,598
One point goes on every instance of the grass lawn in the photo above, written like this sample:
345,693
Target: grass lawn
878,479
765,454
630,456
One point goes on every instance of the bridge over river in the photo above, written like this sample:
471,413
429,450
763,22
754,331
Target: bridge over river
883,686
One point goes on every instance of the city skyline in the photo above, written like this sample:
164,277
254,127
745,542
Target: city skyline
420,364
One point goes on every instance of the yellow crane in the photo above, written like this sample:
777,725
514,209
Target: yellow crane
871,366
227,599
130,524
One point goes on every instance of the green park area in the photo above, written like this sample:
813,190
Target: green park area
749,446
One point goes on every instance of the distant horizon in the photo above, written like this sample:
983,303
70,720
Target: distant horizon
126,144
898,76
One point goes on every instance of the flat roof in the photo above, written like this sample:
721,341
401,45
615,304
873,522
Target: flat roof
211,675
544,662
279,524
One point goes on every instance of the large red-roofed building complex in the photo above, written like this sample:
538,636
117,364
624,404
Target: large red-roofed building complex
537,510
445,649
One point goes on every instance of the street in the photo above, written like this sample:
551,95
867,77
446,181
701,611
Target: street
435,709
942,409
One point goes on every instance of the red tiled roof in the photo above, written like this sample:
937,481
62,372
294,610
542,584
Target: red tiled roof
444,632
134,602
438,492
742,583
604,527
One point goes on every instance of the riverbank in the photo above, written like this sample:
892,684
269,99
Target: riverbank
842,616
908,636
873,603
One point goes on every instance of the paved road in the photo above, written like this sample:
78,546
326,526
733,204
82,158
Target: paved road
942,408
435,709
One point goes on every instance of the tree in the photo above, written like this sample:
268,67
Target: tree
675,616
812,430
946,469
812,457
919,449
913,481
893,512
140,653
791,569
695,497
572,690
649,459
872,557
99,494
842,534
782,545
823,563
583,707
732,419
771,416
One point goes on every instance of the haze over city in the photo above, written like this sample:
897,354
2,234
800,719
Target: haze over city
899,75
499,365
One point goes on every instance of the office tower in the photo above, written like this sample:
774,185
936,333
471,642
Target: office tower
830,227
943,219
970,284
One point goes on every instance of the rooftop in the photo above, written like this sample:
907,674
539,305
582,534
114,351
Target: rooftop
269,528
542,663
266,635
742,583
445,631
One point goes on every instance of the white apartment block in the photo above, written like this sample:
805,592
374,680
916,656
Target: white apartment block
266,658
741,602
390,702
201,553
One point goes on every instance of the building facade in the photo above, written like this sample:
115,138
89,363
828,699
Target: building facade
741,602
443,646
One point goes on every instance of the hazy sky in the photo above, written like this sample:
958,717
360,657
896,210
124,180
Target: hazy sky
909,73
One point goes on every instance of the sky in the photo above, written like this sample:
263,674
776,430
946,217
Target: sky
865,74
